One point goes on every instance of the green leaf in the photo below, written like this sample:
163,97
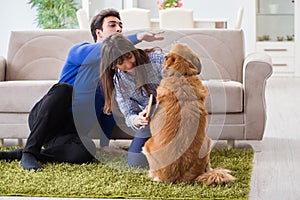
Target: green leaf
55,14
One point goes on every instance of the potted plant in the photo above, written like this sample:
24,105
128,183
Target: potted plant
164,4
55,14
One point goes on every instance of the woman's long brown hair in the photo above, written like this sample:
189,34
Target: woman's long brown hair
116,48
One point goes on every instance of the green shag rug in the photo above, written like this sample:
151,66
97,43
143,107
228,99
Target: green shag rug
109,177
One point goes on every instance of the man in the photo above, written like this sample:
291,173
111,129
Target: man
62,120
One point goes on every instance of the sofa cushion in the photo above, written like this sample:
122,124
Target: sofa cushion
20,96
221,51
224,96
41,54
14,125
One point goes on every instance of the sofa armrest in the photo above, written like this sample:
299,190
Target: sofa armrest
256,70
2,68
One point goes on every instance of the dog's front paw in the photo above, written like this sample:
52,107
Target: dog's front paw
150,174
153,177
156,179
144,151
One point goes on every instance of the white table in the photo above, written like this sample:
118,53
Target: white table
199,23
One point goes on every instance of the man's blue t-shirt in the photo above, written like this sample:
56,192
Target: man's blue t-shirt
82,71
84,54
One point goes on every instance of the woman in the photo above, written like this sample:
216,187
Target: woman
129,75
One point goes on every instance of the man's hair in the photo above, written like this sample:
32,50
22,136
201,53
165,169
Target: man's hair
97,21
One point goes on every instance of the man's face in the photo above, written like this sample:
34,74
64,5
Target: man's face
110,25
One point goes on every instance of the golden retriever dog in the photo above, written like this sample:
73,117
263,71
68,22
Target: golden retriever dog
179,149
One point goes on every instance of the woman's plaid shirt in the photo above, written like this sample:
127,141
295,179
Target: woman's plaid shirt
130,100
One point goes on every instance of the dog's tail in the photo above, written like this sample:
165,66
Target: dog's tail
216,176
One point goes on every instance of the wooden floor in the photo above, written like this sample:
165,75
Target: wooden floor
276,169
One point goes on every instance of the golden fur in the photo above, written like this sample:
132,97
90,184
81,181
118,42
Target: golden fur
179,149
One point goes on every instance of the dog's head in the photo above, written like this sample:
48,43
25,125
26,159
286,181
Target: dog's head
181,59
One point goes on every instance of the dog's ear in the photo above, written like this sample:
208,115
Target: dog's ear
197,63
192,70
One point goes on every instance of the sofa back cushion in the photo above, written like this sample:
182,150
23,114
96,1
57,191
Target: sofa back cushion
41,54
221,51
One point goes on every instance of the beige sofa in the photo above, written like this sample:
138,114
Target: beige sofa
33,64
236,82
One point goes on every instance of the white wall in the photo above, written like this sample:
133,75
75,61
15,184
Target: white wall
14,15
297,38
228,9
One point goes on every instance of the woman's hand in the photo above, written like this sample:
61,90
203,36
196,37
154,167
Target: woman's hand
141,119
150,36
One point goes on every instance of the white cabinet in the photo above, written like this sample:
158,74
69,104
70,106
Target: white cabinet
276,29
282,53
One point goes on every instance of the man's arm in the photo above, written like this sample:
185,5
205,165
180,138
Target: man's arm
150,36
145,36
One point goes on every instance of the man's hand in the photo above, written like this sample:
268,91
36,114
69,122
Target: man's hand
150,36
